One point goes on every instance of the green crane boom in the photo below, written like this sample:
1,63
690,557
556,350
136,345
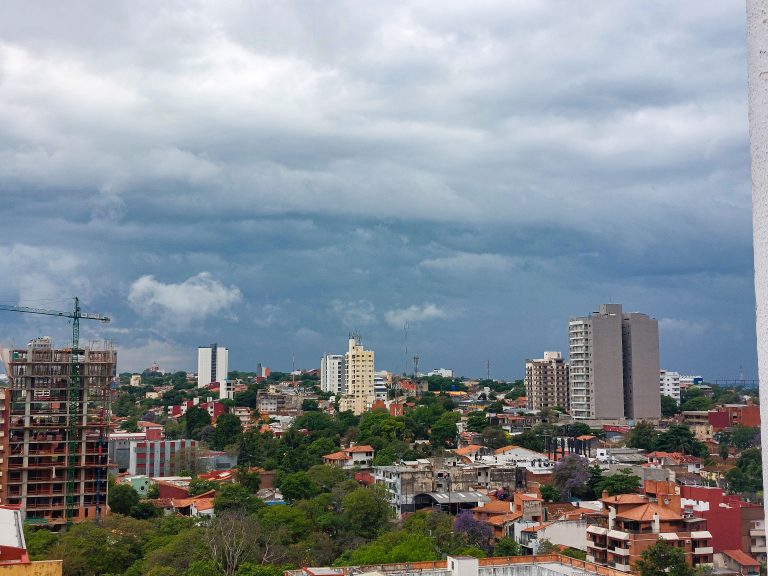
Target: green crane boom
74,393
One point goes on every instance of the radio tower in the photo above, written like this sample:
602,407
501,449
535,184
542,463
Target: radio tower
415,366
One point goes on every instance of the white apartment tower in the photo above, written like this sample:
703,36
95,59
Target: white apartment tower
546,382
358,376
332,374
669,384
213,366
614,365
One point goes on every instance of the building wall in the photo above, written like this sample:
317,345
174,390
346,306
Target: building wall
206,358
642,399
614,365
332,374
40,568
546,382
359,369
669,384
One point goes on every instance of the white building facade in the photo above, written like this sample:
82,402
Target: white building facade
669,384
332,374
359,377
212,365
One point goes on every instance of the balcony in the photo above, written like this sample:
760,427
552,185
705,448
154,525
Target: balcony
757,532
620,551
760,549
703,550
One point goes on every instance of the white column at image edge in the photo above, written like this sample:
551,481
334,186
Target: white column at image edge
757,47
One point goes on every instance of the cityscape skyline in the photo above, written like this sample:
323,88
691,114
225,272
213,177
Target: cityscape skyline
482,173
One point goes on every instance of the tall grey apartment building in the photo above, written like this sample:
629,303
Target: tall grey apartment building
614,365
546,382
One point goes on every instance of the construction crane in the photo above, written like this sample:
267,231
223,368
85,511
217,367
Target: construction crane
72,396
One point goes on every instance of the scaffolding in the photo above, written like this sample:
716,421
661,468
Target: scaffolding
57,407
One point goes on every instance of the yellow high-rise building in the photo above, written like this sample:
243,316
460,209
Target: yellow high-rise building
358,377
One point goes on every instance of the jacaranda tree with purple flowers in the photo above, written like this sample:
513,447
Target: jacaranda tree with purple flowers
473,532
570,475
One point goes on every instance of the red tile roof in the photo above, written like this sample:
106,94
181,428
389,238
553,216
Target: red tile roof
741,557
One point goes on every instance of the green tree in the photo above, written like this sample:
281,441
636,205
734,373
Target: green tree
623,482
669,406
153,492
250,480
309,405
198,486
743,437
697,404
747,476
507,546
549,494
195,420
227,432
530,439
662,559
494,437
366,511
679,438
477,421
444,431
91,550
642,436
298,486
579,429
233,497
145,510
122,498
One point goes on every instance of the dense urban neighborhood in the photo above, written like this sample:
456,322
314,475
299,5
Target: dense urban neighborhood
315,470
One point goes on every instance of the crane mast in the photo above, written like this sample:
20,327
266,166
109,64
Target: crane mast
75,397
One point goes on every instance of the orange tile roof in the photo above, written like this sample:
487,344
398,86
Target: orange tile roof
337,456
204,504
494,507
526,497
468,449
364,448
500,519
646,512
624,499
535,528
586,437
741,557
504,449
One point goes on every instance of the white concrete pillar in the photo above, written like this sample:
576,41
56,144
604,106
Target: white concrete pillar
757,45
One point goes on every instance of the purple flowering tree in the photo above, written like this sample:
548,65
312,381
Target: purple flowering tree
571,474
473,532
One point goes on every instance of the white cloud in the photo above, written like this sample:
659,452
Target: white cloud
42,273
397,317
466,262
194,299
354,313
679,326
168,355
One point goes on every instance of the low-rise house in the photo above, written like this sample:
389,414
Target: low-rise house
741,563
634,523
352,457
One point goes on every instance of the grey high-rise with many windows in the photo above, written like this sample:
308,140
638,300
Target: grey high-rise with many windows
614,365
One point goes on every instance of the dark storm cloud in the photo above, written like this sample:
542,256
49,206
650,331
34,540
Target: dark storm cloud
273,176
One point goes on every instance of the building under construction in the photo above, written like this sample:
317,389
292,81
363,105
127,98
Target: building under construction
55,425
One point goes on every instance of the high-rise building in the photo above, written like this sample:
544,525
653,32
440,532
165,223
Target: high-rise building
669,384
213,366
332,374
56,431
614,365
358,377
546,382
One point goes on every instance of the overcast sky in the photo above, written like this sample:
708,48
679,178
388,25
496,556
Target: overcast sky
274,175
